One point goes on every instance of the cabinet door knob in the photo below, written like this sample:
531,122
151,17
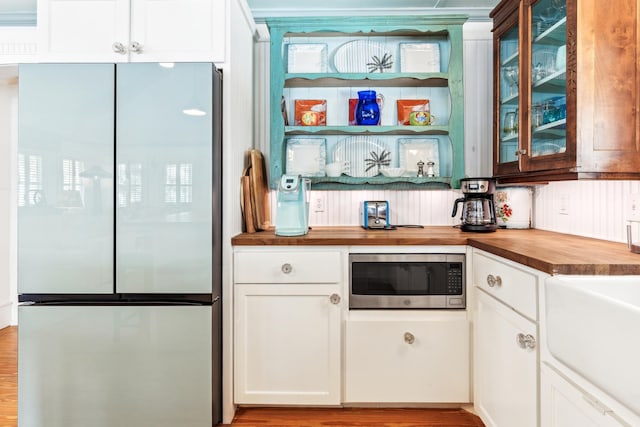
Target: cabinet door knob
136,47
521,152
526,341
334,298
409,338
119,48
286,268
494,280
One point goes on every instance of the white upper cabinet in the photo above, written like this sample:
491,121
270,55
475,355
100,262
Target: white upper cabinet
131,30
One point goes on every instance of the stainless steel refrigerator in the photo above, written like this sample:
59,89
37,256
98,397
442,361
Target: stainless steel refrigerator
119,245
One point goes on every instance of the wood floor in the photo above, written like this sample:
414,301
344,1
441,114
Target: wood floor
354,417
9,377
256,417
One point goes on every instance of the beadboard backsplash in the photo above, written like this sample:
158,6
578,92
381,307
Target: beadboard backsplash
429,207
597,209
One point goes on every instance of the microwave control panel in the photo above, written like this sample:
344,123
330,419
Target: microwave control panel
454,279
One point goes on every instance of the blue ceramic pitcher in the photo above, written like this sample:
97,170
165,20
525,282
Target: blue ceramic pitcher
367,110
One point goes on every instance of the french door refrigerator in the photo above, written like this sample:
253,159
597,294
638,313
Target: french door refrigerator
119,245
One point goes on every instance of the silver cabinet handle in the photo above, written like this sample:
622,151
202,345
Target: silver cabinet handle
494,280
521,152
286,268
119,48
334,298
526,341
136,47
409,338
599,406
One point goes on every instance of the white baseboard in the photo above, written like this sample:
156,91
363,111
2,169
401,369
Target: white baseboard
5,314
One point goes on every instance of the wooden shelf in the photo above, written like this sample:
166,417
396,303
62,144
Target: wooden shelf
444,90
366,130
366,79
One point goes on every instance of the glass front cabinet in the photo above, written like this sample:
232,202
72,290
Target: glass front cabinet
565,90
364,102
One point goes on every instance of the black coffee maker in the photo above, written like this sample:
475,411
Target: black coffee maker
478,209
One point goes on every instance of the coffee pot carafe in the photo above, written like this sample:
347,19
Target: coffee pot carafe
478,209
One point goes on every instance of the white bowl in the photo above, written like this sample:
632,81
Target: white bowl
392,172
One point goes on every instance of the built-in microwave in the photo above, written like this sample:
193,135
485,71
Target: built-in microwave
406,281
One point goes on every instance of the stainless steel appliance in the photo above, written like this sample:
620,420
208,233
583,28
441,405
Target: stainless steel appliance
407,281
374,214
478,208
119,256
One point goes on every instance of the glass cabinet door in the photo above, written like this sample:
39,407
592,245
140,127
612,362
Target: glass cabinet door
548,78
508,134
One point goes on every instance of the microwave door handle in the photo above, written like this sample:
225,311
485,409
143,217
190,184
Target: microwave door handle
428,281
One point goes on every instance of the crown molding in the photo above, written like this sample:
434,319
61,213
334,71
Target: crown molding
479,14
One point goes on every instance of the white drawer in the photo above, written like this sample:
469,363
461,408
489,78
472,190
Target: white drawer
505,280
287,267
407,361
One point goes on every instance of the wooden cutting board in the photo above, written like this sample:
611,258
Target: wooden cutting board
245,204
259,190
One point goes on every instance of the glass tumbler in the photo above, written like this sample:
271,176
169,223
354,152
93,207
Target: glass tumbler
510,126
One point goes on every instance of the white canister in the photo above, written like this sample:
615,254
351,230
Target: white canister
513,207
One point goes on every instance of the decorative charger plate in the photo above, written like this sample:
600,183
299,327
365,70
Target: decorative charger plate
306,156
419,58
363,56
359,151
307,58
413,150
547,148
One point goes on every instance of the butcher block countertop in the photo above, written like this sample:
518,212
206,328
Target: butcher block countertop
550,252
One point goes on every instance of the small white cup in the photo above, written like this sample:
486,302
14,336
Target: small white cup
336,168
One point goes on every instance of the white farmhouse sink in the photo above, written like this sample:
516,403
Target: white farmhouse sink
593,327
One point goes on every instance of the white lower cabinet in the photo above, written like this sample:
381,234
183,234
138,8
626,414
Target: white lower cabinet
505,341
287,327
422,360
287,344
505,373
565,405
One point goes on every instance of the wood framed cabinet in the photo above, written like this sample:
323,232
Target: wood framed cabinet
403,58
132,30
506,351
566,90
287,323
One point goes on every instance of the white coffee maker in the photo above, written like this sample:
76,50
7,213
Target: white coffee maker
292,209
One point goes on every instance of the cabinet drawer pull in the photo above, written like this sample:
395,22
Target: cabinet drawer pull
494,281
526,341
334,298
286,268
136,47
409,338
119,48
599,406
